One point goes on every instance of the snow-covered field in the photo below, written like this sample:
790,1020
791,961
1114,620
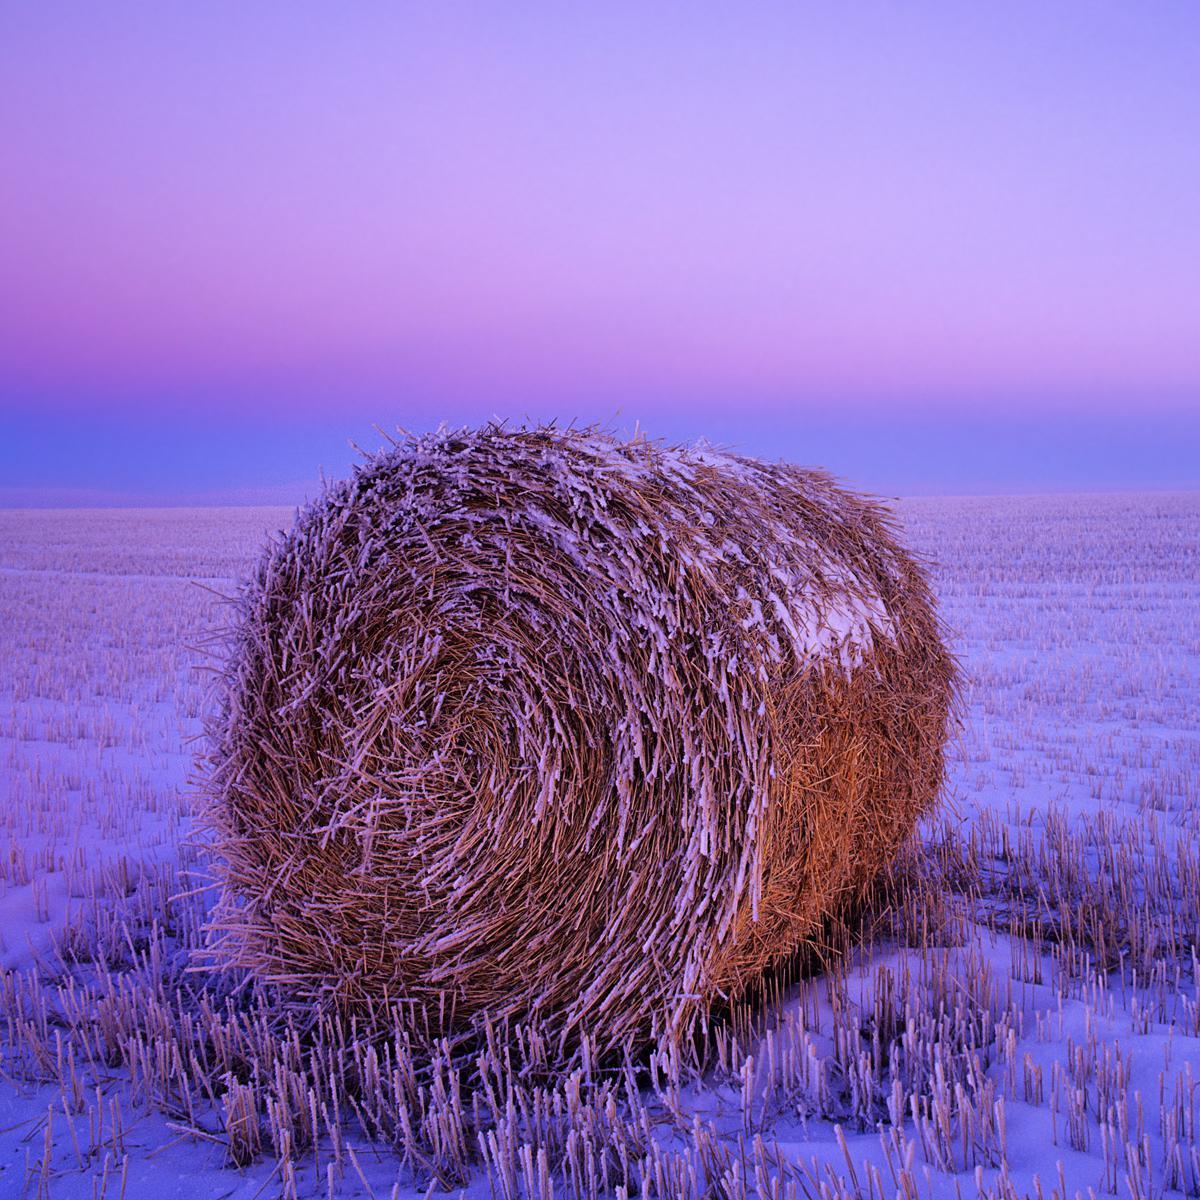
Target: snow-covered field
1022,1018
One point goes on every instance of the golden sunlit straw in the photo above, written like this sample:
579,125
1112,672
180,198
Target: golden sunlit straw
540,726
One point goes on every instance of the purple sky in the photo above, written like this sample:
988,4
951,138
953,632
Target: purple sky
933,246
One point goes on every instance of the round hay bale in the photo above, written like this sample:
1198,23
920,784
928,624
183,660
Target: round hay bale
541,726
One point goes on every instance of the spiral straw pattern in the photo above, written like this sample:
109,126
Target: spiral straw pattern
538,726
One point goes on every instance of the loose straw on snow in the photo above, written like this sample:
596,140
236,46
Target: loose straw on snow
548,727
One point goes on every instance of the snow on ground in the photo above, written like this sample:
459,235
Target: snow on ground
1026,1022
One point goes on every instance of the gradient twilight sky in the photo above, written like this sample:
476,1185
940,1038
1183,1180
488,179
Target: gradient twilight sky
933,246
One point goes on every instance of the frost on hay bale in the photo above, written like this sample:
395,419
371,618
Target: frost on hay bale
547,727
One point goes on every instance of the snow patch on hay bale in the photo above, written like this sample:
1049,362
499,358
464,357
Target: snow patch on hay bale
540,726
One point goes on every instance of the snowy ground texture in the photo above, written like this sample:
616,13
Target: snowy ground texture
1021,1019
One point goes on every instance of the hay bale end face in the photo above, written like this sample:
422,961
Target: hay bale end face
547,727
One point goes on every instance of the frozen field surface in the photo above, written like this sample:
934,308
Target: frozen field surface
1021,1019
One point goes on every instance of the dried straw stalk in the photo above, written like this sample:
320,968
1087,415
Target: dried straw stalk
541,726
